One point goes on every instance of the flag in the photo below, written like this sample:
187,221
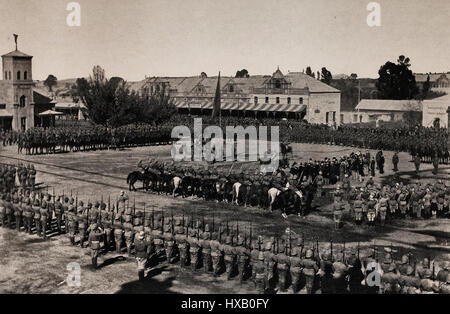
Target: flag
15,39
216,104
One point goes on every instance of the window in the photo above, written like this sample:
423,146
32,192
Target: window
9,75
256,100
342,118
2,106
18,75
327,117
277,84
289,100
6,75
25,75
278,100
300,101
23,123
360,118
355,118
22,101
334,116
267,100
231,88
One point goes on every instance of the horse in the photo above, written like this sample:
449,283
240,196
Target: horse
135,176
176,181
187,186
223,189
286,201
240,192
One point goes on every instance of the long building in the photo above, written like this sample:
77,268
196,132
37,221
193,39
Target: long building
294,95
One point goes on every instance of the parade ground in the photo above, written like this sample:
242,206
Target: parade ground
32,265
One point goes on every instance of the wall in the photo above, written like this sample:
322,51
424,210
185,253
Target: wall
435,110
321,103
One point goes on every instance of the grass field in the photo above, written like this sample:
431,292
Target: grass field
30,265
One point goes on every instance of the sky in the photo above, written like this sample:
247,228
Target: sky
135,38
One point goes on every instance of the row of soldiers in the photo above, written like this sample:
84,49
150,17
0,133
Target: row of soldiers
271,263
25,174
373,202
64,139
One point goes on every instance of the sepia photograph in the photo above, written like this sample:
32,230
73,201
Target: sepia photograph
220,150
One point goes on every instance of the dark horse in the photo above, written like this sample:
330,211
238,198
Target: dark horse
135,176
287,201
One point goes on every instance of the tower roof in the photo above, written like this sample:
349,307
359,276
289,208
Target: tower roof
17,53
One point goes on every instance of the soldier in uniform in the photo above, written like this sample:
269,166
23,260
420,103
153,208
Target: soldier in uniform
17,211
358,208
157,232
107,222
118,232
295,264
194,248
282,262
337,208
310,269
254,253
82,219
417,162
242,255
205,244
28,215
51,210
340,272
128,233
44,218
389,278
140,246
169,241
59,212
382,207
37,216
371,211
260,273
395,161
2,207
180,239
216,252
9,212
72,222
95,238
229,256
148,217
269,261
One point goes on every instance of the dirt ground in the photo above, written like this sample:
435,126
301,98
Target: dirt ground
31,265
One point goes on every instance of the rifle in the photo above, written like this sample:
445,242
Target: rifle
228,231
331,249
343,254
317,247
251,232
183,217
358,249
220,232
173,229
374,251
213,224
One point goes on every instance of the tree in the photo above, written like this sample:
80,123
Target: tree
426,88
242,73
50,82
203,75
396,81
353,76
111,103
309,72
326,76
318,75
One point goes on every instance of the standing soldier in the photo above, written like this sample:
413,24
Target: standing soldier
358,208
326,272
435,163
148,217
157,237
128,234
9,212
28,215
295,264
382,207
254,253
395,161
216,252
118,232
17,211
37,216
169,241
372,167
371,211
82,219
282,260
95,238
417,162
181,243
205,243
44,218
71,223
310,269
242,254
51,210
59,211
229,256
337,208
319,183
107,221
340,272
260,274
32,173
269,261
140,246
65,211
193,249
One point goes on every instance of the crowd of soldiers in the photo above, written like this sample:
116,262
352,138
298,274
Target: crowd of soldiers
64,139
230,249
227,248
25,174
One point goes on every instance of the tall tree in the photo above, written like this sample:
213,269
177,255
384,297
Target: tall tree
326,76
242,73
50,82
309,72
396,80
